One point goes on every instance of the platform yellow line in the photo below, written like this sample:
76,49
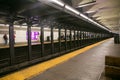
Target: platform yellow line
39,68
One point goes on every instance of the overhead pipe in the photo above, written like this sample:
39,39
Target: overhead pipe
66,8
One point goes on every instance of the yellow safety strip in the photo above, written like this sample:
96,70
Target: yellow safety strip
39,68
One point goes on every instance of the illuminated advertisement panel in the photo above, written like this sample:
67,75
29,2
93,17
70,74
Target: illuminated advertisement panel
34,35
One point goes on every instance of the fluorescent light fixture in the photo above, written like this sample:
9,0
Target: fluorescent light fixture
69,8
72,9
58,2
82,15
90,12
85,17
92,21
84,5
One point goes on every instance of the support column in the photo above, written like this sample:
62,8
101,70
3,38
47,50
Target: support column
77,38
74,39
52,42
11,42
95,37
59,32
65,39
29,42
83,38
100,36
86,37
42,41
70,39
80,38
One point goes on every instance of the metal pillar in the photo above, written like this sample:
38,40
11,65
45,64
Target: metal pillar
29,42
88,35
80,38
74,39
52,42
87,38
83,38
77,38
11,42
100,36
65,39
59,34
95,37
42,41
70,39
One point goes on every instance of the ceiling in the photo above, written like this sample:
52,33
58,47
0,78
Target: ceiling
106,12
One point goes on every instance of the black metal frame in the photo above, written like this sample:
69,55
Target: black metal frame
11,42
42,40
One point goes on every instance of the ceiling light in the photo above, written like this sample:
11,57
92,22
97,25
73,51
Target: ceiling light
92,21
72,9
58,2
84,5
85,17
76,12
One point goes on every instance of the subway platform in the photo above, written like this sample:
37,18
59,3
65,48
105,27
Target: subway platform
85,64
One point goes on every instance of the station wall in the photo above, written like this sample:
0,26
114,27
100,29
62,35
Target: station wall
20,33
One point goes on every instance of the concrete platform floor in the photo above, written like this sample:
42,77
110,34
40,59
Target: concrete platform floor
86,66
